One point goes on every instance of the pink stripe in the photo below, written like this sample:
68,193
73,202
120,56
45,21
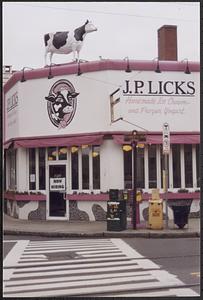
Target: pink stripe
99,197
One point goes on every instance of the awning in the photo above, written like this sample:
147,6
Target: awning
7,145
59,141
157,139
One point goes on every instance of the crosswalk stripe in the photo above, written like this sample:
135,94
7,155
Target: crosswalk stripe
91,290
71,242
22,263
184,292
76,277
149,265
74,284
78,250
39,250
74,266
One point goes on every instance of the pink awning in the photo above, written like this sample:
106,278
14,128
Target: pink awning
157,139
7,145
61,141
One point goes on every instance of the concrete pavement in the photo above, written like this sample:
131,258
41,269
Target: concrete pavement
49,228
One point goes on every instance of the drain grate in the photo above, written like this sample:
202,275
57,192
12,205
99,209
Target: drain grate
62,255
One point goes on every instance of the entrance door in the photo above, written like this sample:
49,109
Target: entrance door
57,190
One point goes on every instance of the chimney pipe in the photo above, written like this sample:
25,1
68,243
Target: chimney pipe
167,43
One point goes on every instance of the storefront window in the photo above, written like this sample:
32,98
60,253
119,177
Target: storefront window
152,166
188,165
96,166
52,153
12,169
176,166
127,158
197,165
140,168
85,167
42,172
74,168
62,153
32,169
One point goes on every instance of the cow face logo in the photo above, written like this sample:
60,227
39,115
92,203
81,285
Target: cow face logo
61,103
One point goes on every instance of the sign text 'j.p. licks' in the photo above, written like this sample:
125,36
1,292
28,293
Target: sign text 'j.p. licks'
159,88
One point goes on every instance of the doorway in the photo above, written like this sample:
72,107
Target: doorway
57,190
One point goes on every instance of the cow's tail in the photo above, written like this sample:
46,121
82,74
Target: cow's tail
46,38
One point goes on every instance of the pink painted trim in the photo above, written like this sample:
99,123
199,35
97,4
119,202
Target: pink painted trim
88,197
106,64
173,196
146,196
116,134
23,197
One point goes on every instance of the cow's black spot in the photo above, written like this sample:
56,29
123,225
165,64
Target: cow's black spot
46,38
59,39
79,32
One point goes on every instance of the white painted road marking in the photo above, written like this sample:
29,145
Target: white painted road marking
97,266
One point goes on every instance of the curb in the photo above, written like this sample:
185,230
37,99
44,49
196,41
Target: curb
108,234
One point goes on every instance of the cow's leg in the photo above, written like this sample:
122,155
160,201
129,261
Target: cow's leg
51,55
74,59
45,57
78,56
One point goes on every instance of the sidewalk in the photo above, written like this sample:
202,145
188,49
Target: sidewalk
13,226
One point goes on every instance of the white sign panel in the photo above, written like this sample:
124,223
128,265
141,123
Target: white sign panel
166,139
11,113
57,184
149,99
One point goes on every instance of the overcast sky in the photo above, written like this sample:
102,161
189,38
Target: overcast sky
124,29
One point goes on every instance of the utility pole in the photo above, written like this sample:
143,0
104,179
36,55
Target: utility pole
166,151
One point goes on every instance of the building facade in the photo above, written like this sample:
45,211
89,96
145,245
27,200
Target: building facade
67,137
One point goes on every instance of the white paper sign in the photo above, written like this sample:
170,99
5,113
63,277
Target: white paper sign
57,184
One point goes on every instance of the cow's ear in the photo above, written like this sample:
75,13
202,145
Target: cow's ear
87,22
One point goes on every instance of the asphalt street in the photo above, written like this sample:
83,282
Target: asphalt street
179,258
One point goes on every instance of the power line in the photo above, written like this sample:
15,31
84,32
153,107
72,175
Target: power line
102,12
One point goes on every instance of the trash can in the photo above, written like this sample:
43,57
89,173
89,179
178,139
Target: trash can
116,215
181,214
155,214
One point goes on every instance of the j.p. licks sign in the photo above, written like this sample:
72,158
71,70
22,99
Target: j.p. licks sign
173,97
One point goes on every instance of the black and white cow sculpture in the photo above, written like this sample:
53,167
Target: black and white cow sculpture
65,42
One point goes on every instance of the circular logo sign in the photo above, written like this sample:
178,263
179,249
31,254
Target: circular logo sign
61,103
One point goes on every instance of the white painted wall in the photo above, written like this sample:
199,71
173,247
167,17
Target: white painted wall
22,167
111,163
181,112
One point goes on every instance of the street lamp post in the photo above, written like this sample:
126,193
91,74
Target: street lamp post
134,204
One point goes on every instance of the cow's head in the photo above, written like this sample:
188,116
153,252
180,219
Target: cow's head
89,27
62,102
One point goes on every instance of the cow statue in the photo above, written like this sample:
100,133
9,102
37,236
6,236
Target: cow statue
65,42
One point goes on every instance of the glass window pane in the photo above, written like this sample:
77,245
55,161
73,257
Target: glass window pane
62,153
52,153
127,158
176,166
140,168
152,166
74,168
197,165
188,165
96,166
85,167
32,169
42,173
12,169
